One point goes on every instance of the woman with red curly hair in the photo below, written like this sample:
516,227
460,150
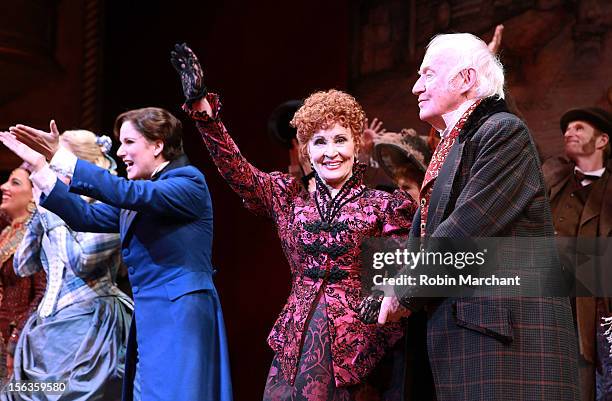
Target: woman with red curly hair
323,351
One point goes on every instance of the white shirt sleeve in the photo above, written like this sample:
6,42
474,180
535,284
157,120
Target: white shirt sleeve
63,163
44,180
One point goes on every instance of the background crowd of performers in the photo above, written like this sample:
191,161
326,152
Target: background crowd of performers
71,225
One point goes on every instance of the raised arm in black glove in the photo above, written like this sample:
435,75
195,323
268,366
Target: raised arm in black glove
186,63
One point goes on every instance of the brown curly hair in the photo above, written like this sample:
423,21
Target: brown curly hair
321,110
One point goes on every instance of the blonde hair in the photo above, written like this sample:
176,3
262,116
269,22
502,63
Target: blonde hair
84,145
322,110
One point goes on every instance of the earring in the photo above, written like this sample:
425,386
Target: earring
31,207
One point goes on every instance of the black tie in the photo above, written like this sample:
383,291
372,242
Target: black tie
580,176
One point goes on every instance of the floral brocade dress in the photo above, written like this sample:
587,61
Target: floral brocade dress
322,350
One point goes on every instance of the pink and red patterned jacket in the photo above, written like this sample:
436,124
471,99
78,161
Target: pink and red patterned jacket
321,239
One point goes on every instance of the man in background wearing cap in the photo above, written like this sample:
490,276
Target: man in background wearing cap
580,192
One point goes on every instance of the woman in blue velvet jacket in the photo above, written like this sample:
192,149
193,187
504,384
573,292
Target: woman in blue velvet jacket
163,212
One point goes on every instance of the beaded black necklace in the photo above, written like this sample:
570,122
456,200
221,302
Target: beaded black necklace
328,210
331,206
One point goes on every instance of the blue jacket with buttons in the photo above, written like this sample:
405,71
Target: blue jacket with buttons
166,236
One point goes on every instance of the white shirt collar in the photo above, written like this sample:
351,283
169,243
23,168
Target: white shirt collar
599,172
452,117
159,168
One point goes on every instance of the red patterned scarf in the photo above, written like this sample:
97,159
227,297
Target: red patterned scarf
437,160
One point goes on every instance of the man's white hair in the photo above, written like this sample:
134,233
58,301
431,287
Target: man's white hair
469,51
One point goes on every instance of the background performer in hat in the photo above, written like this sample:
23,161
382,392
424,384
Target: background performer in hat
580,192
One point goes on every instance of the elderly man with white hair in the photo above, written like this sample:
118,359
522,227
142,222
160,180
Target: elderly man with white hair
485,180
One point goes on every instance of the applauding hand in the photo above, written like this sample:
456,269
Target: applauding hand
30,156
45,143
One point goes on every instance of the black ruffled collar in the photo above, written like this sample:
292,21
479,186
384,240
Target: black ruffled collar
329,206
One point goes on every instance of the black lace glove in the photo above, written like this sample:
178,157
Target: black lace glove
369,309
186,63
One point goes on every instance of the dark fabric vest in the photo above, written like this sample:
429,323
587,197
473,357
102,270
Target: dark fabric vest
567,207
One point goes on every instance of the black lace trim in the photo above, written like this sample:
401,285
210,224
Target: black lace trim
333,276
334,228
202,116
330,207
333,250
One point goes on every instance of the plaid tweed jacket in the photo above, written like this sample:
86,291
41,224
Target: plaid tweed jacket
509,348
